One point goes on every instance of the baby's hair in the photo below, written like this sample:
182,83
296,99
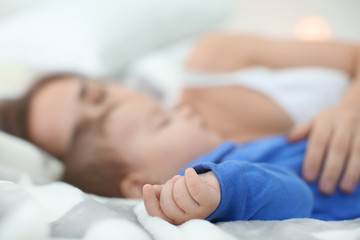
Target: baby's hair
93,166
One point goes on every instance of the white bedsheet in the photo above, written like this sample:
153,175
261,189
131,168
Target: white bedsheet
61,211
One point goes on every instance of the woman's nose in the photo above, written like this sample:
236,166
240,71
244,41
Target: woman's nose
90,113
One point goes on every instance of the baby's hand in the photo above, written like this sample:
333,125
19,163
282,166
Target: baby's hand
180,199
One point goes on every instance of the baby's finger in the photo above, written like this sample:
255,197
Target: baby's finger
157,189
335,161
198,189
151,202
168,204
317,145
299,132
352,173
183,198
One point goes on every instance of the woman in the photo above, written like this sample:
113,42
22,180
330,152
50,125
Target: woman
62,108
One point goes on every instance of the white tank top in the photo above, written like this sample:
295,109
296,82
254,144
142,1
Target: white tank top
301,92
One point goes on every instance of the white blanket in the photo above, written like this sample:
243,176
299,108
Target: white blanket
60,211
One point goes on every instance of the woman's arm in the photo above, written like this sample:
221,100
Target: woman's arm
225,52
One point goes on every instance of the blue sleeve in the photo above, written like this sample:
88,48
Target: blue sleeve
258,191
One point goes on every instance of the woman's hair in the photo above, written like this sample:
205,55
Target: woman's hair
14,113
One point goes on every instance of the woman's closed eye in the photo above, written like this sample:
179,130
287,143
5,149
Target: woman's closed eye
98,94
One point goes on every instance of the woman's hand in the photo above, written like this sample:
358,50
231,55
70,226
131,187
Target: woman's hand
333,148
180,199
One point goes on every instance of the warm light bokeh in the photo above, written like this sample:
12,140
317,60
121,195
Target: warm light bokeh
313,29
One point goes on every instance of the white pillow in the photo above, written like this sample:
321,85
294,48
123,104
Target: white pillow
19,158
159,73
100,37
8,7
14,80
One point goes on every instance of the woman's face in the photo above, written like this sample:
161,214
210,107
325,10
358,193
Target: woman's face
62,106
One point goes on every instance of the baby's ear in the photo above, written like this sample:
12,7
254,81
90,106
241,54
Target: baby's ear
131,186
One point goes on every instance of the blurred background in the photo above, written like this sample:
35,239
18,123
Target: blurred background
144,42
301,19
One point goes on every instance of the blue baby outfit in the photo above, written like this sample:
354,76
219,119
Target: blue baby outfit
261,180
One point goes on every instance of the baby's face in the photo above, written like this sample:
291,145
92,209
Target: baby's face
157,142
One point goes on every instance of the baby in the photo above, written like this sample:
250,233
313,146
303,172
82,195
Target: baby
258,180
184,170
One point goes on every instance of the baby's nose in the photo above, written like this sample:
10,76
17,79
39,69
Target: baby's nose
185,111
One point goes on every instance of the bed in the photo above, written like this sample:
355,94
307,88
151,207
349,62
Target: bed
35,204
60,211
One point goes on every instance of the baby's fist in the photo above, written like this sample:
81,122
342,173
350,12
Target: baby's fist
180,199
